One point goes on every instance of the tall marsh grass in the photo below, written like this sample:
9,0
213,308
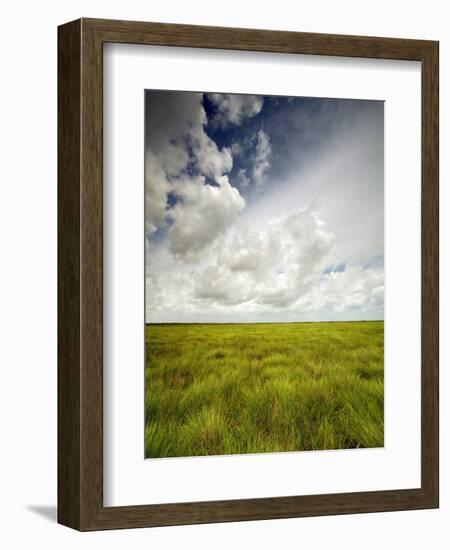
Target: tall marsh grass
252,388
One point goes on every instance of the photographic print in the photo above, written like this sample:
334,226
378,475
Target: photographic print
264,274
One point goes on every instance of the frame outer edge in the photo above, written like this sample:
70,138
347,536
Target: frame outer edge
91,277
80,307
430,274
69,244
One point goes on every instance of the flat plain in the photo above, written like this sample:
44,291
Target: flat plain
220,389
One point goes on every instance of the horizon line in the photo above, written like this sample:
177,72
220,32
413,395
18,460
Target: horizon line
261,322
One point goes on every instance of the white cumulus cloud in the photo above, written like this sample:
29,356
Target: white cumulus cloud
234,108
202,213
262,155
176,136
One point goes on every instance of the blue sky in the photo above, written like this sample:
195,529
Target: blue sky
263,209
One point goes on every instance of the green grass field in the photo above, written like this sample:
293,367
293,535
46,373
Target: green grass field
253,388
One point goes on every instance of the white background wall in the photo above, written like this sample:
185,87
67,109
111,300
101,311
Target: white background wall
28,273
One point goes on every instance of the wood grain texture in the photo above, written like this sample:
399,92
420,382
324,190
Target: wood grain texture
69,246
430,272
80,241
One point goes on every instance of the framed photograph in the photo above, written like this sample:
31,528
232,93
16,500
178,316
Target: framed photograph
248,274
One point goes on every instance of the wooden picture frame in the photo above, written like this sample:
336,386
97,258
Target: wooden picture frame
80,272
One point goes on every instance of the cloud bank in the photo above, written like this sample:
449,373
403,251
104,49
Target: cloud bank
250,218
